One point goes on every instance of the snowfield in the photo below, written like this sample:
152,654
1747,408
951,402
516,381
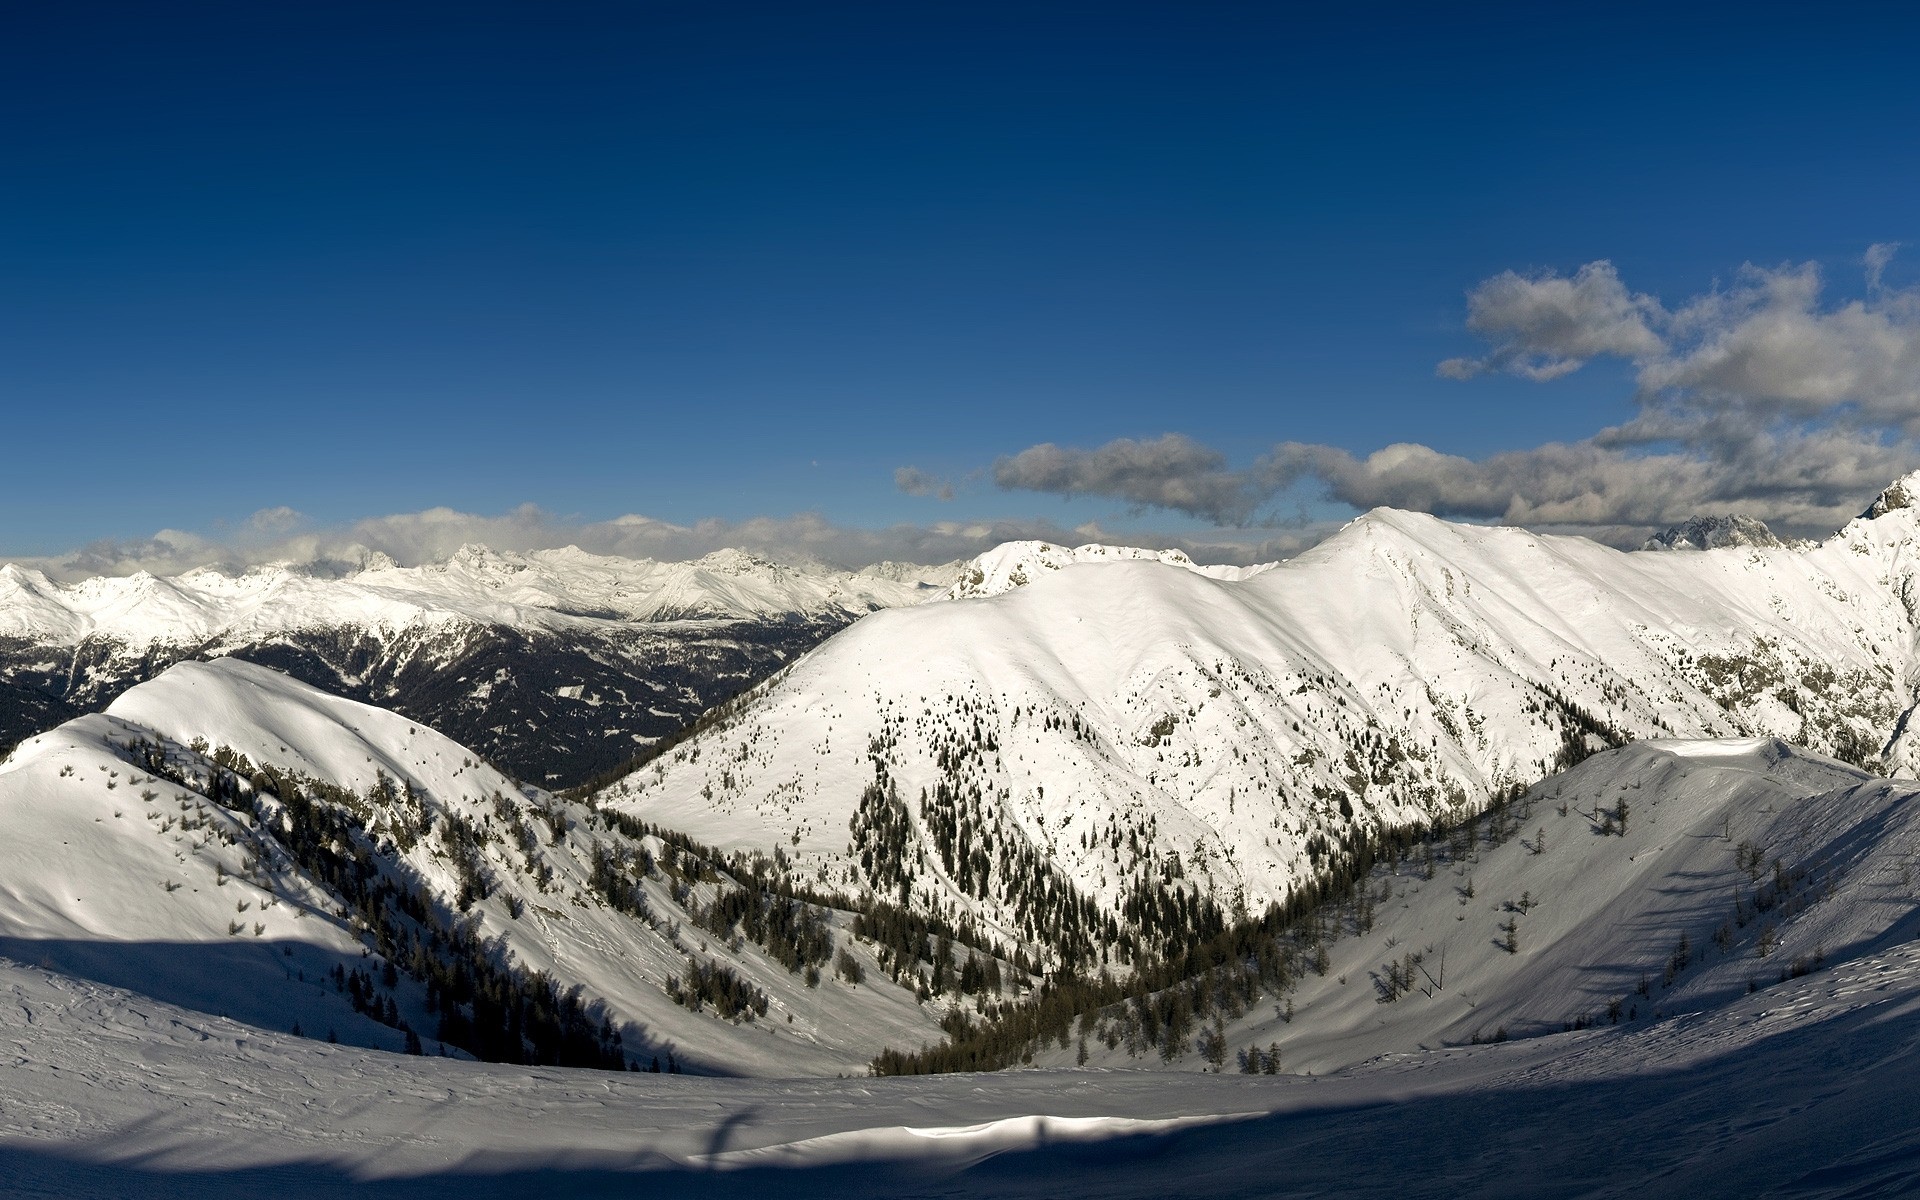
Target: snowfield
1802,1089
1015,564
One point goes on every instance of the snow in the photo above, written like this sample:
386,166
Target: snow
555,589
1801,1088
1598,913
1015,564
92,880
154,953
1408,666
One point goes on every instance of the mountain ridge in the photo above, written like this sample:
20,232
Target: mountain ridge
1132,720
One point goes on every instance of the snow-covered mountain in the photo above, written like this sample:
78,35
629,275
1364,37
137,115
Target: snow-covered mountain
1016,564
1055,760
543,587
1708,944
555,664
1713,533
230,839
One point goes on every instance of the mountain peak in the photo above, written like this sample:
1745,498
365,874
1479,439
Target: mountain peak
1015,564
733,561
1714,533
1903,492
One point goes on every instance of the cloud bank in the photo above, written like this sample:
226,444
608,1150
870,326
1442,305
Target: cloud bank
281,535
1172,472
1757,397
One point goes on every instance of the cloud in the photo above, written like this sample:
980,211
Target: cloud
1171,472
1766,350
1758,397
1545,326
1876,259
1766,347
277,520
1805,482
915,482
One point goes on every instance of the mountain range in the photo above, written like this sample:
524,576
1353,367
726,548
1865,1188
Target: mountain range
1047,760
554,664
1429,806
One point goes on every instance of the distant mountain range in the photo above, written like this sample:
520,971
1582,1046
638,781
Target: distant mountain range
554,664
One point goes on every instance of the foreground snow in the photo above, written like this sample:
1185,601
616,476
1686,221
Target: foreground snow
1802,1088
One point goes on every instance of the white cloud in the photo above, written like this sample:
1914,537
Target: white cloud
915,482
1545,326
1804,482
1767,349
1171,471
1876,259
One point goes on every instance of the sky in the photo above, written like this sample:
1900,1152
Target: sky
883,280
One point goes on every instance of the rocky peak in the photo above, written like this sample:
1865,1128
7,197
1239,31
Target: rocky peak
1714,533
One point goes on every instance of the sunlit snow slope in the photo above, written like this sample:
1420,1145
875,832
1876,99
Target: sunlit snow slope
1113,727
133,855
1741,864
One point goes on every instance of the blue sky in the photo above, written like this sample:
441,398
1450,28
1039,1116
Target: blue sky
732,261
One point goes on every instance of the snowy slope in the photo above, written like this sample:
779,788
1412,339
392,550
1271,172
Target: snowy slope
1135,724
110,871
1803,1088
1765,861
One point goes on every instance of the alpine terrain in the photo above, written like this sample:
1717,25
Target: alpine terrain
1450,814
554,665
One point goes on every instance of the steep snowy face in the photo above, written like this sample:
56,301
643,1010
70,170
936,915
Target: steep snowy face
1713,533
1115,732
557,663
232,839
1016,564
